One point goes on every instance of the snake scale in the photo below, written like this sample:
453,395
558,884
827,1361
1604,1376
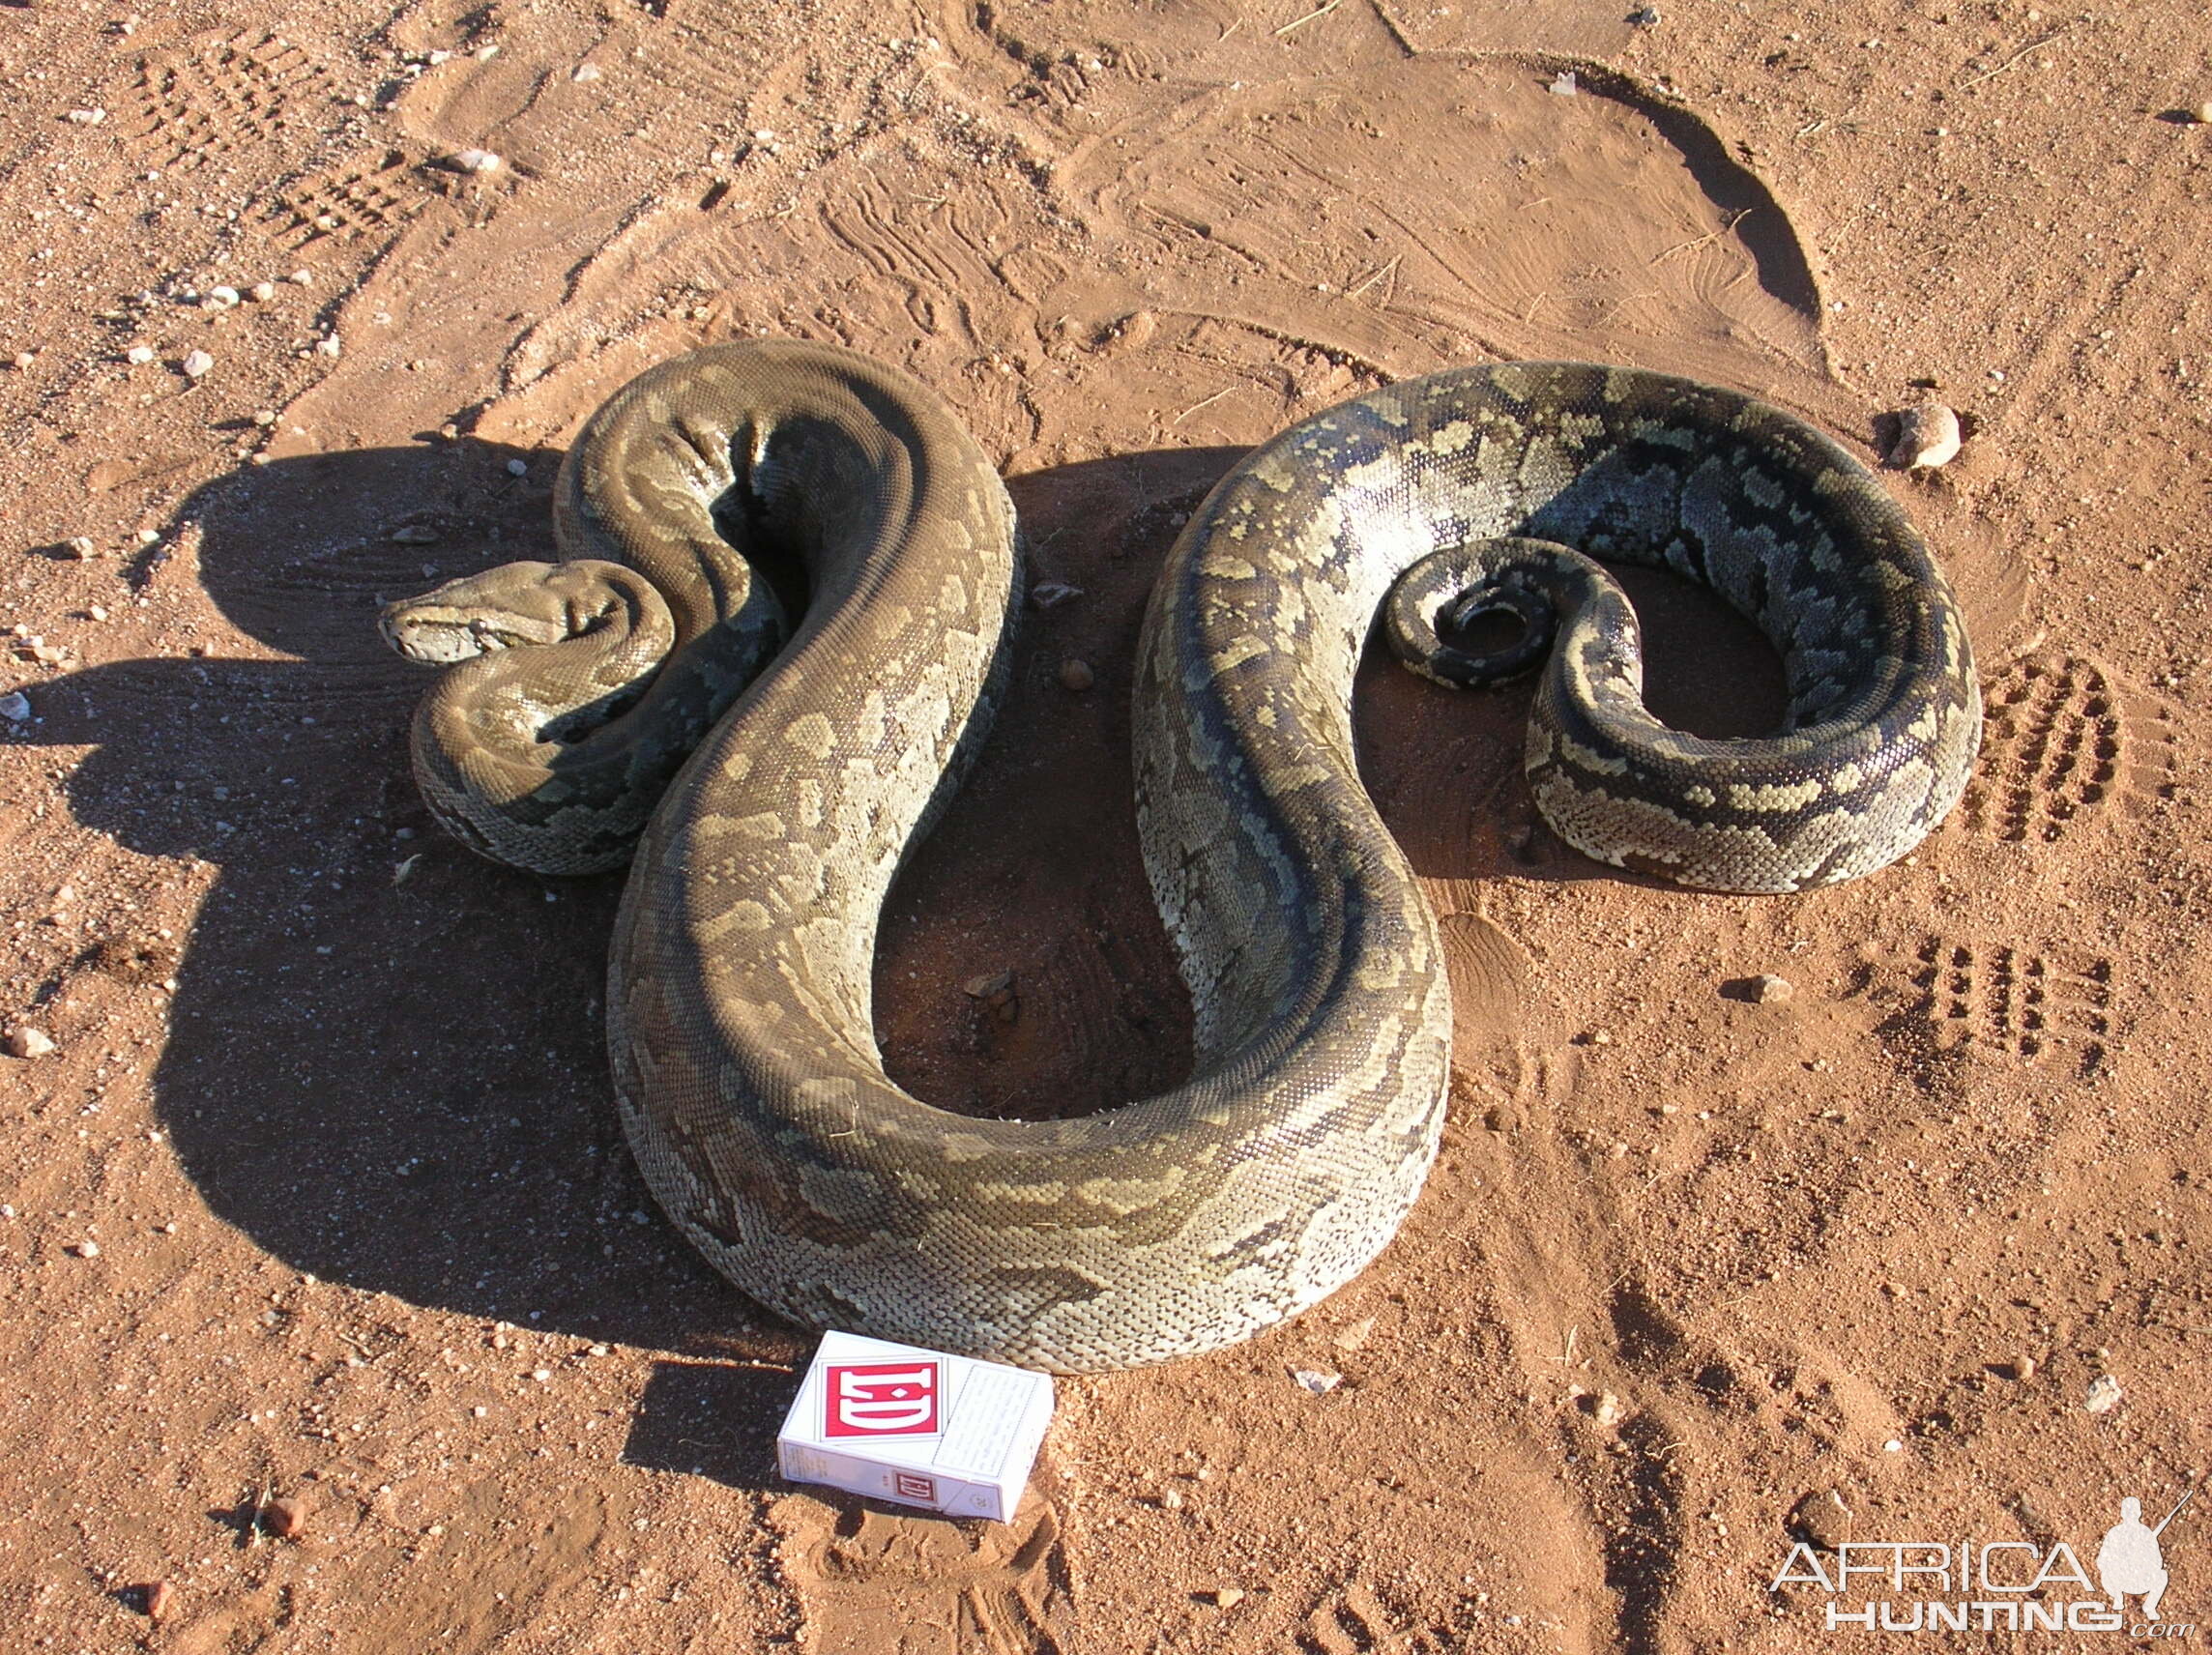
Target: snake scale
795,561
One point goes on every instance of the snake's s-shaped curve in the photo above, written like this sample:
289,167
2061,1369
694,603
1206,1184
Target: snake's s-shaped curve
740,996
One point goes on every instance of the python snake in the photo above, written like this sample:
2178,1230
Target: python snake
833,713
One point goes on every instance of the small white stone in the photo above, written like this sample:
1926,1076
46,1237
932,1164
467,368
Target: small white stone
98,611
29,1042
261,292
15,706
1317,1380
148,537
301,278
541,1375
473,161
1771,990
2104,1394
87,117
1927,437
26,358
1564,84
329,347
86,1249
2202,113
197,365
80,547
1609,1410
518,468
585,72
138,355
222,298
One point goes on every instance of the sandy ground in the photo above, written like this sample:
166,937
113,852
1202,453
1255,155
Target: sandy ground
321,1198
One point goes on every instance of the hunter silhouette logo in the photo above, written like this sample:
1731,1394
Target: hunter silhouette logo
2000,1585
2130,1559
879,1398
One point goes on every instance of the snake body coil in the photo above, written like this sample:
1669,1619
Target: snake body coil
739,999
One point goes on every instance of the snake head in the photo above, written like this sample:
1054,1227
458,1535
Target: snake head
514,606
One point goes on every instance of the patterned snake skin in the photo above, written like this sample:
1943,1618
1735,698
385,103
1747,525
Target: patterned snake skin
740,997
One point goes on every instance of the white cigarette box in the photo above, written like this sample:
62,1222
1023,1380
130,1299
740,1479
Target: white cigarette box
919,1427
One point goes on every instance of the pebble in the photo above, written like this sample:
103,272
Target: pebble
2203,113
26,1041
1564,84
1770,990
98,611
1227,1597
2104,1394
261,292
1052,593
415,534
585,72
197,365
1076,674
159,1598
1609,1410
286,1517
148,537
80,547
1354,1336
85,1249
2022,1368
1318,1380
15,706
517,468
473,161
301,277
328,346
1927,437
87,117
985,986
138,355
26,358
222,298
1822,1518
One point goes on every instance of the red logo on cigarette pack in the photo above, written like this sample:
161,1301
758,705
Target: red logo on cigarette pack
879,1398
